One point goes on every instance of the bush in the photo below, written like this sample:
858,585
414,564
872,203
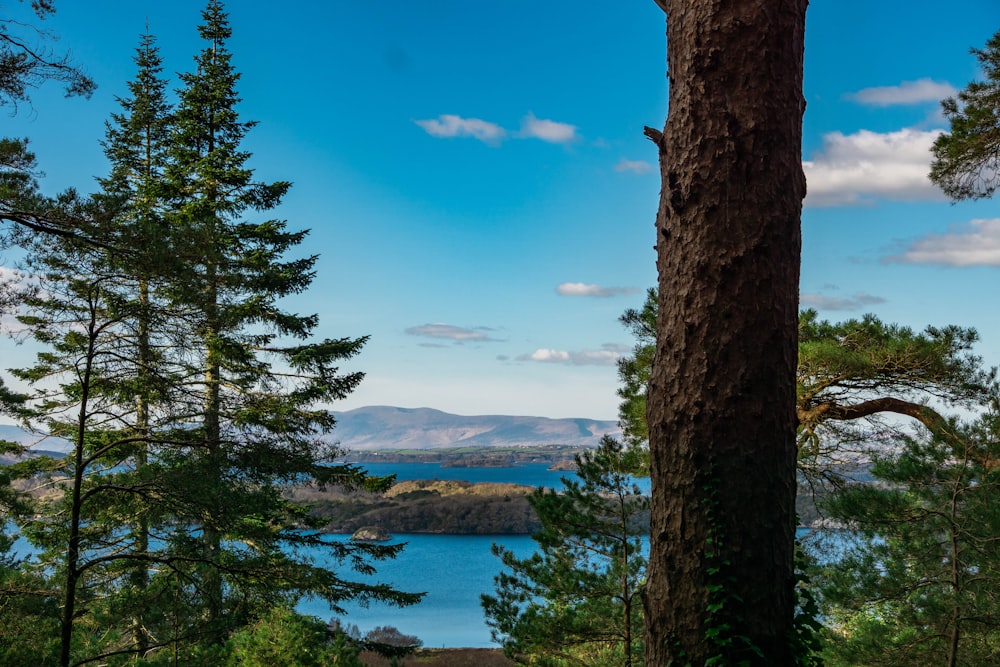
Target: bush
283,637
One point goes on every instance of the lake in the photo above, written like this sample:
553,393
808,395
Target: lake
454,570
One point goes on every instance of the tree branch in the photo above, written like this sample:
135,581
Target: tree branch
832,410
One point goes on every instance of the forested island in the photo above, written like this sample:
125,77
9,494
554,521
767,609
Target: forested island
425,506
449,507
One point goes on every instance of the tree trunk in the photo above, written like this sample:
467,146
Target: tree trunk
721,402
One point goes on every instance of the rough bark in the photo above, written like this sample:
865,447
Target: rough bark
721,406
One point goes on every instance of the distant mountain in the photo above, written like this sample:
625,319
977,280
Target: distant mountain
55,447
12,433
384,427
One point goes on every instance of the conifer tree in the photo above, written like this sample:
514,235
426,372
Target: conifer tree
192,400
576,600
916,582
136,146
967,158
258,423
81,312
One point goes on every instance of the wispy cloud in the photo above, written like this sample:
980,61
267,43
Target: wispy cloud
547,130
584,289
908,92
451,332
634,166
827,302
853,169
608,355
974,244
449,125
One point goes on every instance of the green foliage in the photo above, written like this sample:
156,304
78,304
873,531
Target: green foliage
634,371
918,582
966,163
723,614
191,400
29,616
26,61
282,637
850,374
576,600
807,626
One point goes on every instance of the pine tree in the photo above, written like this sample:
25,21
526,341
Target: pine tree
80,311
258,424
721,399
966,163
136,146
576,600
916,581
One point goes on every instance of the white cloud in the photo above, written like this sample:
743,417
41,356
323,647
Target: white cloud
547,130
452,332
608,355
975,244
908,92
545,354
634,166
855,168
826,302
584,289
450,125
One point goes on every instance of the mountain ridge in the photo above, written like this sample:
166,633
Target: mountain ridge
390,427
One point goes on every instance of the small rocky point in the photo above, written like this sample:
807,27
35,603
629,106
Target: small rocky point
369,534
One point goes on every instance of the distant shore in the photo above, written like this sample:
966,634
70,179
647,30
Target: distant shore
559,457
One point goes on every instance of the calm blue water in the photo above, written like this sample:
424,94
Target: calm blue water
453,570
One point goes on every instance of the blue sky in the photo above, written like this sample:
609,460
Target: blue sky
481,194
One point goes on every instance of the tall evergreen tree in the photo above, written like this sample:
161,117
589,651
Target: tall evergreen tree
258,423
82,311
136,144
199,401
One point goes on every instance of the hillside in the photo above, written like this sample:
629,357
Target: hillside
384,427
